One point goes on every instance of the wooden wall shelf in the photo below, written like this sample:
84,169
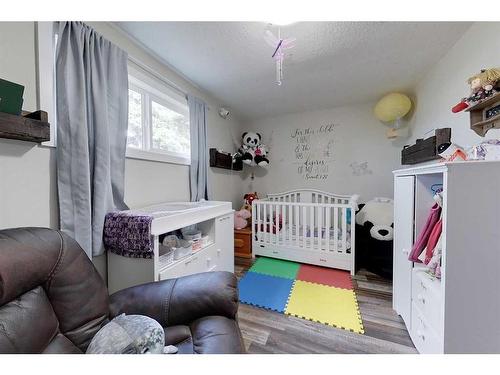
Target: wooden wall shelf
31,127
224,160
478,121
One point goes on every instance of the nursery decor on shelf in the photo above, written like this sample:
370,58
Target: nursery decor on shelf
482,86
425,149
391,109
252,151
225,160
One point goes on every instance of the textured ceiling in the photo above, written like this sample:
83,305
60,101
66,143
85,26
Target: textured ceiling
332,63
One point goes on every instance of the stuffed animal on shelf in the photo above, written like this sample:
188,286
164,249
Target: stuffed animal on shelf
374,236
482,86
252,151
241,218
451,152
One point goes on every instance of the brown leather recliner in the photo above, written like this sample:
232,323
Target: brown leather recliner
52,300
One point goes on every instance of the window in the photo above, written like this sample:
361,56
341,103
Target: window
158,121
46,42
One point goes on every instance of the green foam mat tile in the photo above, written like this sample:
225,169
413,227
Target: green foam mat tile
276,267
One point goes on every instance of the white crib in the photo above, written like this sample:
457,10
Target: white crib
306,225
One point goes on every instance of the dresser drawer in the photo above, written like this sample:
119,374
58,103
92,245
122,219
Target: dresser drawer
425,339
243,243
427,296
187,266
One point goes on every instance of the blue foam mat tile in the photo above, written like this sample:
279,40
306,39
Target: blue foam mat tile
269,292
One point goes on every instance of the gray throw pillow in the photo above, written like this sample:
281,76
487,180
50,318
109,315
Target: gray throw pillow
129,334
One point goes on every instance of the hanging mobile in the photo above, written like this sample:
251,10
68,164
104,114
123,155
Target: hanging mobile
280,46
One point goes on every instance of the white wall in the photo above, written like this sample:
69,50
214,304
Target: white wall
28,195
357,137
445,84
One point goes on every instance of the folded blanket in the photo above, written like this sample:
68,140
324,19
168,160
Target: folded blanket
128,233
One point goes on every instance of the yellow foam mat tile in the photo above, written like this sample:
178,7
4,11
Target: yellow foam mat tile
325,304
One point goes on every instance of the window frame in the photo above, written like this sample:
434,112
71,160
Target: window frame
45,36
148,95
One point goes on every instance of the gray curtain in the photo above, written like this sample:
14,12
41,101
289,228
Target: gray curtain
92,119
198,173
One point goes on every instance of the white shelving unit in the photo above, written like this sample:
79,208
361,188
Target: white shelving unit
215,219
461,312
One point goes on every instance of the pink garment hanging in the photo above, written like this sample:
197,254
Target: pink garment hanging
422,239
433,240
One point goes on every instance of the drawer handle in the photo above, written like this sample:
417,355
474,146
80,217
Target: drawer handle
405,251
421,298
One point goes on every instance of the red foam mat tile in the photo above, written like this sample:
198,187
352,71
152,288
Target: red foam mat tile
325,276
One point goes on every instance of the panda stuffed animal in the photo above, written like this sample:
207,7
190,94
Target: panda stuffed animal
374,236
252,151
377,215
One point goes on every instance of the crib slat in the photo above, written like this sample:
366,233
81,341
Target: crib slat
327,226
256,231
344,229
255,206
297,225
304,226
320,227
283,223
311,227
276,225
335,228
290,222
264,237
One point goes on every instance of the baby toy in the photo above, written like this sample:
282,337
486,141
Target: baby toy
248,199
252,151
482,86
451,152
240,218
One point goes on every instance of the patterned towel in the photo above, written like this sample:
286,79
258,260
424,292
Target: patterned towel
128,233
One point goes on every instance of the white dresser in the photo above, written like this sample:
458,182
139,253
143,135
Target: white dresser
461,312
215,219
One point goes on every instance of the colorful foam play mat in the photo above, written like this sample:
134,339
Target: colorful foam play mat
319,294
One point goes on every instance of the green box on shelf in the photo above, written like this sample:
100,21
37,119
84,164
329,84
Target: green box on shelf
11,97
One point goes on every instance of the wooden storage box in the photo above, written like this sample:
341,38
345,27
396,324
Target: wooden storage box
425,149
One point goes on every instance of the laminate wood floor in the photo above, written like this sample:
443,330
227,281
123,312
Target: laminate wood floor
271,332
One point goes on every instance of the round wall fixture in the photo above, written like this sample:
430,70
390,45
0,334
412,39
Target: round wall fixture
224,113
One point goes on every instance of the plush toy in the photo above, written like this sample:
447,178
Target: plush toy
240,219
252,151
374,236
451,152
248,199
482,86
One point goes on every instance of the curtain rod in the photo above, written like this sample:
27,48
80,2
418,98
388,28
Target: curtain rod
157,75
